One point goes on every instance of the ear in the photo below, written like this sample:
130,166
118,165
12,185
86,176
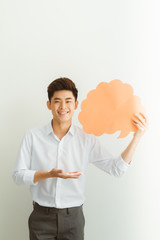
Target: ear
76,105
49,105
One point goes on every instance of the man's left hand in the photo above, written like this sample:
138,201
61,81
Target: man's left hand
141,122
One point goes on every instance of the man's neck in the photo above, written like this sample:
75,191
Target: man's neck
60,129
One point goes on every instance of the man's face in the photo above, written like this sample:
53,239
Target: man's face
62,105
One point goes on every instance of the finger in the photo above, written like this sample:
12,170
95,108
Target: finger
138,126
75,177
142,119
78,173
138,122
144,115
73,174
65,177
69,175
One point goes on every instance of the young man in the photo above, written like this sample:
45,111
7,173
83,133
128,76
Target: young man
53,160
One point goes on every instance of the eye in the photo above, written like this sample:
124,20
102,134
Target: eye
56,101
68,101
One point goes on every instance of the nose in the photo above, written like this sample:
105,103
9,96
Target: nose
62,106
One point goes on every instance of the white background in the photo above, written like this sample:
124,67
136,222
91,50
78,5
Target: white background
89,42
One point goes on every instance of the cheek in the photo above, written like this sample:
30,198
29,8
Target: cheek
72,108
72,105
54,110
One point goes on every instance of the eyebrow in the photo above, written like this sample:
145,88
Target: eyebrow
60,98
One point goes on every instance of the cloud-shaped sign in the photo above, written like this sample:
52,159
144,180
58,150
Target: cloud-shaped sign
110,108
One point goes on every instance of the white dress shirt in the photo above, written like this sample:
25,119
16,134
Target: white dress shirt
42,150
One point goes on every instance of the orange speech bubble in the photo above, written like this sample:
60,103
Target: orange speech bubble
110,108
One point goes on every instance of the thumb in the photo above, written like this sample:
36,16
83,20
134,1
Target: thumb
59,171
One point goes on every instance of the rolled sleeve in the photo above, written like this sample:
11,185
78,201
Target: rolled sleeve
121,164
101,158
24,177
23,174
28,177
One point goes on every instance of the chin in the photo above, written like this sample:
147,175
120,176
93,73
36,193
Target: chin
65,120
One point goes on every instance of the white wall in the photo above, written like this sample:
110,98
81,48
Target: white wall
89,42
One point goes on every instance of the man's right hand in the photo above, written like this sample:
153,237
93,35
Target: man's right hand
55,172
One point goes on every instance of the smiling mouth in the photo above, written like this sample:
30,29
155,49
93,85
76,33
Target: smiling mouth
62,113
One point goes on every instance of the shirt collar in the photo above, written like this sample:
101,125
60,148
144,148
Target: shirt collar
49,129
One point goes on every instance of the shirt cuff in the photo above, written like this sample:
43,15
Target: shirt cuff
121,164
29,177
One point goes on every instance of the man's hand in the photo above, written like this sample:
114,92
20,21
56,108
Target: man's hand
55,172
141,122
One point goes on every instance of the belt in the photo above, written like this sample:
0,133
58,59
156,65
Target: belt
39,208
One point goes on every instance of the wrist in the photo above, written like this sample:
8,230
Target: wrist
51,174
138,135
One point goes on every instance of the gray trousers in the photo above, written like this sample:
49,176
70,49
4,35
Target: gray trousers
56,224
